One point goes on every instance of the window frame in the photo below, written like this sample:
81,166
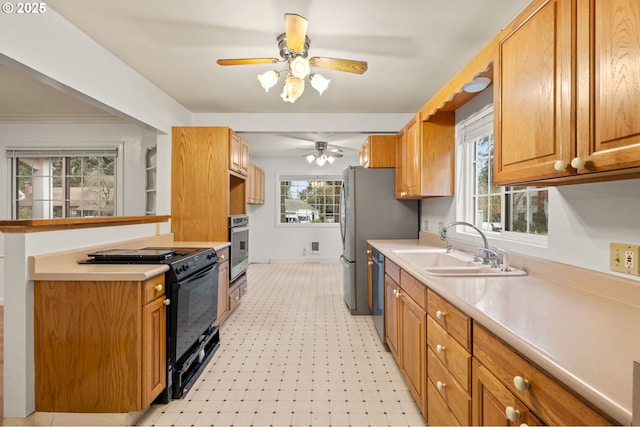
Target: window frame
11,153
465,176
304,177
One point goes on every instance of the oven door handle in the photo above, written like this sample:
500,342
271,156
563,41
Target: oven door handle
235,229
202,273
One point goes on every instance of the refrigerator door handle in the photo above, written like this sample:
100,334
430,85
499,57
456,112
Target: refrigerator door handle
345,261
343,213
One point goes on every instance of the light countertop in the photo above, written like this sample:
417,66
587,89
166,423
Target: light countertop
64,265
583,336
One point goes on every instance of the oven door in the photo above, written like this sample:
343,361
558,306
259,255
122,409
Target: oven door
239,238
193,308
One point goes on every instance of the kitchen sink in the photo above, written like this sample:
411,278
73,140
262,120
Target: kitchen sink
439,262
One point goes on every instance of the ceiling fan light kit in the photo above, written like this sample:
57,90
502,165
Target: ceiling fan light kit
323,154
294,45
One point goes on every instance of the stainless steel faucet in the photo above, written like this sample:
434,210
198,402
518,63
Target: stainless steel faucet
489,255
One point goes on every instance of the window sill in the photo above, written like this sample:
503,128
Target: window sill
40,225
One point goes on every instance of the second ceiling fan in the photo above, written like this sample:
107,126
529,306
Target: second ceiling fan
294,49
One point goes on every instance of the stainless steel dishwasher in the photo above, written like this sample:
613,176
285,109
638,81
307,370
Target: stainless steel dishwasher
377,293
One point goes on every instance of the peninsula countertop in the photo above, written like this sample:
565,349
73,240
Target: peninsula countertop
65,265
583,335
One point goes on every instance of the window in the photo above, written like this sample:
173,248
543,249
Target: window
63,183
517,213
310,200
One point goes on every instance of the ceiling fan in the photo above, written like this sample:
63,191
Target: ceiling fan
294,49
323,153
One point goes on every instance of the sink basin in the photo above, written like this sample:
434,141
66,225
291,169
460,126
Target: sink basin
437,262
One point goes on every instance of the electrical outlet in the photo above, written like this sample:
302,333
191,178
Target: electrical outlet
425,227
624,258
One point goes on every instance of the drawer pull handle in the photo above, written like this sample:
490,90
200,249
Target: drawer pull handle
167,301
158,287
396,293
440,385
440,348
512,414
520,383
440,314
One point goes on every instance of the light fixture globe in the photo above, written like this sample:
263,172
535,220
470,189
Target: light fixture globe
293,88
269,79
319,83
299,67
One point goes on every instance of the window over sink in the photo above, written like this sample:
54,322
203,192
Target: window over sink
518,213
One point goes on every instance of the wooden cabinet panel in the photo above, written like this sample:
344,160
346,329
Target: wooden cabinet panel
409,160
492,400
392,269
414,289
452,320
608,96
550,401
378,151
456,398
564,94
439,412
223,286
154,350
255,185
438,162
413,352
238,154
391,310
451,353
98,347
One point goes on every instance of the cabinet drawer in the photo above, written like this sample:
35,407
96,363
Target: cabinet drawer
438,413
456,323
153,288
414,288
456,398
234,298
454,357
223,254
550,401
392,270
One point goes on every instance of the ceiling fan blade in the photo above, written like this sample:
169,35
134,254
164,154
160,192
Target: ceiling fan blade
247,61
346,65
296,31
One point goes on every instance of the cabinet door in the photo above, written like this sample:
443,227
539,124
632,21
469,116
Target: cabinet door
494,405
223,289
154,350
413,326
244,158
412,159
608,97
533,95
392,325
235,151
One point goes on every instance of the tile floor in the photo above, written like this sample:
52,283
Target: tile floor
291,354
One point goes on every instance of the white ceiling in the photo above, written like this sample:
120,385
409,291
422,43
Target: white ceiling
412,47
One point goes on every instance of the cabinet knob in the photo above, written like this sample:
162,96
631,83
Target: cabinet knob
520,383
245,289
368,251
440,385
221,256
370,262
159,287
560,165
512,413
167,301
440,348
440,314
577,163
236,298
397,294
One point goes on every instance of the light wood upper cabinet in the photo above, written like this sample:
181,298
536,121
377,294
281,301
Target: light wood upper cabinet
238,154
425,157
378,151
255,185
566,93
204,192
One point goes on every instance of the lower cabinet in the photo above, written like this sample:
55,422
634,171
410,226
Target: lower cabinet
237,290
406,326
461,374
223,286
99,346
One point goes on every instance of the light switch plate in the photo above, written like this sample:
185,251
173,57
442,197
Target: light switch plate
624,258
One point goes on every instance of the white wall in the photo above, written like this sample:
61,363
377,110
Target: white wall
583,218
271,241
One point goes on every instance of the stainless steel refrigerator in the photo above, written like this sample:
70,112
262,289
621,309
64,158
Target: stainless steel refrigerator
369,210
